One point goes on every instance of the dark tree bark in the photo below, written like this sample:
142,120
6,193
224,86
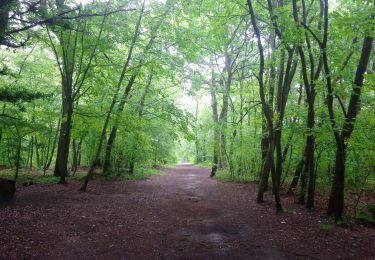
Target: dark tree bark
286,71
215,118
61,165
296,177
72,80
336,199
49,155
284,82
18,154
4,17
268,114
223,117
112,136
74,153
37,154
31,153
309,84
198,158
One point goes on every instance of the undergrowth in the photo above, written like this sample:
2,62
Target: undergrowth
27,177
142,174
37,177
224,175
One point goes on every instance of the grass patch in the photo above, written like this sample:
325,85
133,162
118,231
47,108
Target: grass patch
142,174
326,227
170,165
28,177
37,177
205,164
225,176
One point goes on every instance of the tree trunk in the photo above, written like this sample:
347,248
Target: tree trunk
310,161
267,110
31,153
224,112
75,155
264,176
61,167
108,151
18,157
38,160
129,86
114,100
297,174
50,157
264,145
215,119
309,84
197,153
336,199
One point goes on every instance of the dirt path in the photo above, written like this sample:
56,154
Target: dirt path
183,215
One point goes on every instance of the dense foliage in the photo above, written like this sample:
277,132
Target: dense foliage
279,90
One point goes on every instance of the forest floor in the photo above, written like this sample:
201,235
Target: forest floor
183,215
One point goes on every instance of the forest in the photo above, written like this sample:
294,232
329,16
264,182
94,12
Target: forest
272,99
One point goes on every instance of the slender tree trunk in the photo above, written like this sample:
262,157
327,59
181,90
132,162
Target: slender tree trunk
108,150
113,103
79,154
197,153
264,145
224,111
296,177
308,172
75,155
128,88
309,84
18,157
99,149
61,166
46,155
38,160
336,199
54,144
310,158
284,82
31,153
240,163
141,107
215,119
267,110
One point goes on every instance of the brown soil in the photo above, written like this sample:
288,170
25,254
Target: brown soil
184,215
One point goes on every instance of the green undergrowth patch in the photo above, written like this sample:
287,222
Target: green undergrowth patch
142,173
224,175
169,166
28,177
367,214
205,164
326,227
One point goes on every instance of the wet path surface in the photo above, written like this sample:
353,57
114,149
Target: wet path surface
183,215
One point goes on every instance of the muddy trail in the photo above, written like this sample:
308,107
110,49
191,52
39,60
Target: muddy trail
183,215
